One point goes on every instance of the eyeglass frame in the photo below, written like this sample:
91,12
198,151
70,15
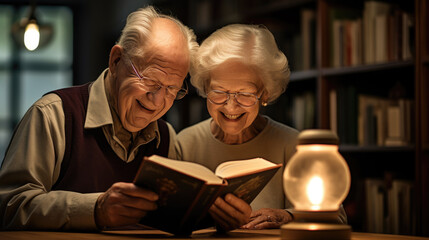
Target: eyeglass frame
182,90
235,97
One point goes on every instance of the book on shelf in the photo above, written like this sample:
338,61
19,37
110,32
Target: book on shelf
333,111
372,10
399,115
343,107
308,35
187,190
345,36
400,212
388,206
387,31
303,110
374,205
384,122
372,120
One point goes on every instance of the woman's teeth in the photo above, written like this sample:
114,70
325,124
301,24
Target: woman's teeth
230,116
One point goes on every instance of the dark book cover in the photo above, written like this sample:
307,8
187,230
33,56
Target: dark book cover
247,187
180,197
184,199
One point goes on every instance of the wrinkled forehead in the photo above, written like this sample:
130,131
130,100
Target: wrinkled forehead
167,47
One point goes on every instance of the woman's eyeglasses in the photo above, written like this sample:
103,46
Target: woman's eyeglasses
242,98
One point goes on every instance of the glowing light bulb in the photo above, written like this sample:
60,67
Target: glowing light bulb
31,36
315,192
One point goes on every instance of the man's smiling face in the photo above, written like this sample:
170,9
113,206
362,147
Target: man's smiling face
166,61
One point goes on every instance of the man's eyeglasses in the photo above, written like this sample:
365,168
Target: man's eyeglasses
153,86
242,98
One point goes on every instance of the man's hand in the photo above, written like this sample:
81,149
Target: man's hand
123,204
268,218
230,213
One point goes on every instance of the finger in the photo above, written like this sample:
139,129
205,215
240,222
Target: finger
130,212
223,213
219,218
264,225
254,221
135,191
121,214
116,196
137,203
109,214
230,213
239,204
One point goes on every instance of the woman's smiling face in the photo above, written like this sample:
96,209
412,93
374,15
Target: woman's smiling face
232,77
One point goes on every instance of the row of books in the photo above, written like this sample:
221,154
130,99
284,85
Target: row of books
381,33
388,206
303,110
367,120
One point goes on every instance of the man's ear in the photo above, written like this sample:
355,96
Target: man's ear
115,56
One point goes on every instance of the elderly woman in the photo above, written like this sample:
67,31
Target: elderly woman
239,68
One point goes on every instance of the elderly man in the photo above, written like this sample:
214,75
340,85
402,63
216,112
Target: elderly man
73,157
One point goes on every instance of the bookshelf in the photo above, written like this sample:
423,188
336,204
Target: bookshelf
398,76
422,99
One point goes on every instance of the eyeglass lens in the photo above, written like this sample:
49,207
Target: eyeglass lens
220,97
154,86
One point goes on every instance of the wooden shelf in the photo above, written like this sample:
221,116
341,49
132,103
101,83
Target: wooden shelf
276,6
375,149
366,68
303,75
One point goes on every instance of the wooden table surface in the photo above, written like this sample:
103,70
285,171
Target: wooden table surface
270,234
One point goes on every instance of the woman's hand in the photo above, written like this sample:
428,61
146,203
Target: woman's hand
230,213
268,218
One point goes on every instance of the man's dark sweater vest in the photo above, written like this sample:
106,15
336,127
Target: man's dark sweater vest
90,164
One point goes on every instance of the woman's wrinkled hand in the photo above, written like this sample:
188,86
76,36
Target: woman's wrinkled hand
268,218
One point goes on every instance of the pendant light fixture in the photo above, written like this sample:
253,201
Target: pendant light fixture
30,33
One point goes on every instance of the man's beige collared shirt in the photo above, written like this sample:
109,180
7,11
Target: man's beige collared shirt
33,161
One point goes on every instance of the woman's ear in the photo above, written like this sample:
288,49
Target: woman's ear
115,57
264,98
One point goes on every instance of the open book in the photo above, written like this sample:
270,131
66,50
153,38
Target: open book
187,190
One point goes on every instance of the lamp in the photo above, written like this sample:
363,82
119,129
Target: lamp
316,181
30,33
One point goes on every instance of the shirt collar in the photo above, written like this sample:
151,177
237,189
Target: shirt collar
98,113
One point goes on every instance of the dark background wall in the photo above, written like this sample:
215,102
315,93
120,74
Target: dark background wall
97,26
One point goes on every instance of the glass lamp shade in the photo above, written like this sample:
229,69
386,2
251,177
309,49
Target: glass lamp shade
317,177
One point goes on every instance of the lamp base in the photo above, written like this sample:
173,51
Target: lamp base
316,216
315,231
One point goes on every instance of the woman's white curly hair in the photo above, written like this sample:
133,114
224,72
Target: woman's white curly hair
253,45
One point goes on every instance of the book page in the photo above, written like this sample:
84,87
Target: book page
239,167
189,168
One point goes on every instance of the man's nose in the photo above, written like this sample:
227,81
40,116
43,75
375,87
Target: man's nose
158,96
